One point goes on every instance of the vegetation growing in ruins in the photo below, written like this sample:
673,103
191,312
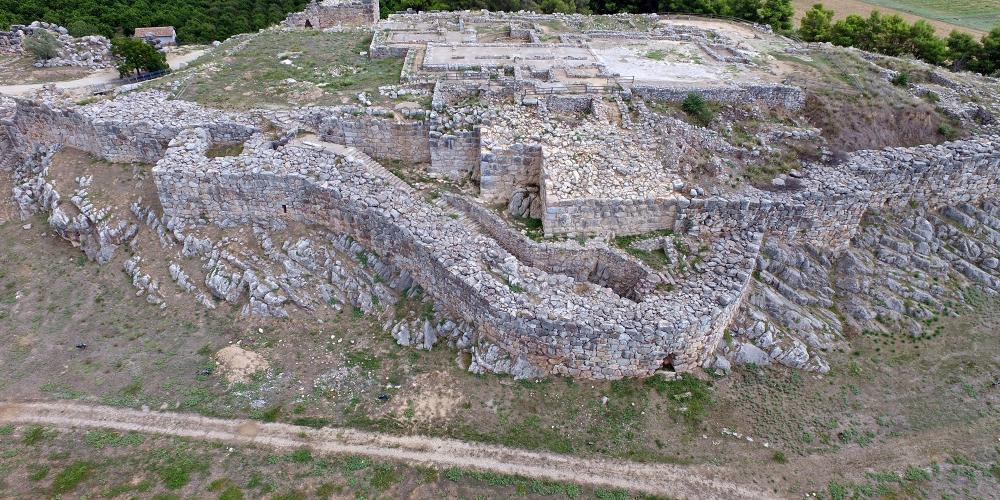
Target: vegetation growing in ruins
42,45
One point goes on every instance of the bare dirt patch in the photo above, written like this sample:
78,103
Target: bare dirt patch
238,365
21,70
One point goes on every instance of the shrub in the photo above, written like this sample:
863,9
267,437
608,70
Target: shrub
43,45
302,456
779,457
384,477
70,477
901,80
695,106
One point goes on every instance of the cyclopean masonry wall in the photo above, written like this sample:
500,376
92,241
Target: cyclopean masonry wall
558,324
376,132
454,154
325,14
134,128
543,304
781,95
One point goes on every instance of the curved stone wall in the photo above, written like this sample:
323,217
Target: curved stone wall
529,299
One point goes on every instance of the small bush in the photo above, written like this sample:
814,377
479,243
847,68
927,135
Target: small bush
779,457
384,477
916,474
69,478
42,44
901,80
302,456
33,435
695,106
231,493
38,472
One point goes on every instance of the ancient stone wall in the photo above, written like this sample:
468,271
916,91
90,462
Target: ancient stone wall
549,303
779,95
102,131
502,170
454,154
381,137
596,262
334,14
618,216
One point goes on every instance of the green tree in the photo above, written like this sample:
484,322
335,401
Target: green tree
776,13
42,44
852,31
816,24
136,56
989,56
963,50
926,45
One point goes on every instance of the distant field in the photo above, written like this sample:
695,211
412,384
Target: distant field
972,16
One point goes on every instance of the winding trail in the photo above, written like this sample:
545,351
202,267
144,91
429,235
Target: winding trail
663,479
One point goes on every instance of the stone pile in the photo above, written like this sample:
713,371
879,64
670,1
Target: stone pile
90,51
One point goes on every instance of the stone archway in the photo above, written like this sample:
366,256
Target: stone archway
308,24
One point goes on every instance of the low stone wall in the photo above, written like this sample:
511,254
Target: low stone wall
779,95
502,170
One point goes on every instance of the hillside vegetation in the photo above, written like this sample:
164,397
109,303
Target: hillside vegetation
208,20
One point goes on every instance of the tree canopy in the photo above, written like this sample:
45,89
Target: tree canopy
893,36
195,20
135,56
207,20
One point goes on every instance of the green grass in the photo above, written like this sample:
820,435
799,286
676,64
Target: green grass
656,55
71,476
332,62
384,477
34,434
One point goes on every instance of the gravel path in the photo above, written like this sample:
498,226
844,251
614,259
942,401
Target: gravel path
663,479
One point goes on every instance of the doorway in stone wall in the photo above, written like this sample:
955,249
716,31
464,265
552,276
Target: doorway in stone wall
308,24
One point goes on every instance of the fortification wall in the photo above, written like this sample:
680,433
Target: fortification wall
455,154
104,132
538,301
783,95
381,137
502,170
334,14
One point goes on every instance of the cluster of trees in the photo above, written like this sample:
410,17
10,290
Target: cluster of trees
195,20
777,13
207,20
891,35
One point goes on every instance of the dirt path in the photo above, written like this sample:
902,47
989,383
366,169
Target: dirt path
674,481
99,78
